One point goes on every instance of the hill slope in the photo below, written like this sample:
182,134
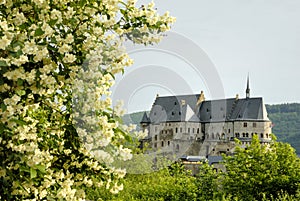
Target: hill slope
286,120
285,117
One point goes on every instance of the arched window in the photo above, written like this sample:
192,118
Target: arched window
176,130
262,135
198,130
162,143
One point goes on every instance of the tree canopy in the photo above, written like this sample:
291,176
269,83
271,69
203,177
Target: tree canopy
260,171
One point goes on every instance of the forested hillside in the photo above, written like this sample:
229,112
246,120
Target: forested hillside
285,118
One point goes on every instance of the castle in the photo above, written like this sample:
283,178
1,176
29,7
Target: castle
189,125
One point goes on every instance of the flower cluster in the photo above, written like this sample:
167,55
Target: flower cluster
58,132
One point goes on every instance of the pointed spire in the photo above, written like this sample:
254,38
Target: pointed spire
248,88
145,119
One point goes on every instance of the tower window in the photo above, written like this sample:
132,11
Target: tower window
245,124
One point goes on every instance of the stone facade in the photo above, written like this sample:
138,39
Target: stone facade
190,125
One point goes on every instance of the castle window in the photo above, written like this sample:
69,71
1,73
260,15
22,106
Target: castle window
245,124
175,103
180,129
173,113
177,147
267,135
169,124
212,136
261,135
243,134
198,130
179,113
193,130
223,136
155,137
189,130
162,143
176,130
247,135
207,110
228,130
254,124
168,143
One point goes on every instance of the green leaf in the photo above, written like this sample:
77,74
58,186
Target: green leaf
41,168
21,92
33,173
39,32
3,63
1,128
19,122
20,82
3,107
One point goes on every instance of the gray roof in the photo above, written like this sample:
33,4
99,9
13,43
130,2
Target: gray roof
171,109
214,159
145,118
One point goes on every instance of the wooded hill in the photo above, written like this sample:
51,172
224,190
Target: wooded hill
285,118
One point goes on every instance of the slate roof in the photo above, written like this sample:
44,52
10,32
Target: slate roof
145,118
171,109
214,159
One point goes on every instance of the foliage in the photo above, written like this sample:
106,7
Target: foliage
58,60
286,120
262,171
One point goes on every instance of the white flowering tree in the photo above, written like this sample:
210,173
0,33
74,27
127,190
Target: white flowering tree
58,133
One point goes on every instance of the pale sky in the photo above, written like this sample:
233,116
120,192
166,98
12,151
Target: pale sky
217,43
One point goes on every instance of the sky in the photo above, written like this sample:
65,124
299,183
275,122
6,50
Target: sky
212,47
